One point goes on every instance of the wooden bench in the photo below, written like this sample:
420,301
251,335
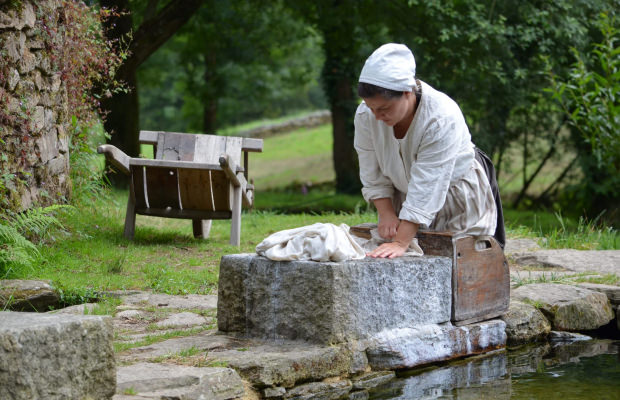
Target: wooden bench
193,176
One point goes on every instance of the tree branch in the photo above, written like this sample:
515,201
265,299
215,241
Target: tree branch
157,30
546,158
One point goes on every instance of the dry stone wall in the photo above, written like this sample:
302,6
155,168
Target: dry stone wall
34,145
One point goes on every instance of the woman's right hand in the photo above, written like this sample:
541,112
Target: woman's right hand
388,225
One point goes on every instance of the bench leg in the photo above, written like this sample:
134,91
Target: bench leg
130,216
201,228
235,225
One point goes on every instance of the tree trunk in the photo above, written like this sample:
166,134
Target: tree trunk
345,158
339,74
210,102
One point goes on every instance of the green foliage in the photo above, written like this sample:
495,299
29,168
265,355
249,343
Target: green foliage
86,167
234,61
589,94
86,61
18,231
16,252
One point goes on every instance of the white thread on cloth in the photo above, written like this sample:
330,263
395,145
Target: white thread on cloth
316,242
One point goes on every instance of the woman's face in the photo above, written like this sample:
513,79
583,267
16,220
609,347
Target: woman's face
390,111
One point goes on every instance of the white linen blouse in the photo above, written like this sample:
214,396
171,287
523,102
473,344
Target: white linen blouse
431,174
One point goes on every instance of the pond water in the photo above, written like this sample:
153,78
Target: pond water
579,370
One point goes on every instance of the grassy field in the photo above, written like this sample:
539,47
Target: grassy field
294,179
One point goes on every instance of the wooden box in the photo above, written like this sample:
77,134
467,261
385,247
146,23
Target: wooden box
480,275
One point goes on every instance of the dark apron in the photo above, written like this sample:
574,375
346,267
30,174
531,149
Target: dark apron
487,164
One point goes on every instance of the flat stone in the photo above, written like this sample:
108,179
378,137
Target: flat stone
410,347
372,379
470,380
184,319
130,314
52,357
27,295
286,363
13,78
358,395
319,390
567,307
274,392
600,261
561,336
525,323
612,292
204,341
78,309
327,302
189,302
165,381
47,143
520,245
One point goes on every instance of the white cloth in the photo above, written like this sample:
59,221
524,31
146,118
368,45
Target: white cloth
431,174
391,66
376,240
318,242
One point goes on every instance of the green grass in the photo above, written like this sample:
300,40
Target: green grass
555,231
91,256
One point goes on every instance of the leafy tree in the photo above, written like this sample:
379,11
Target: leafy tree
588,95
157,23
236,60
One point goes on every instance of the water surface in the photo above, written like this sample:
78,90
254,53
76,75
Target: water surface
579,370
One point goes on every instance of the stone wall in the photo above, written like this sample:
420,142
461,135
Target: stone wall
307,121
34,157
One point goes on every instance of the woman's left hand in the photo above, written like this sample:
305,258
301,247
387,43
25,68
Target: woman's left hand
389,250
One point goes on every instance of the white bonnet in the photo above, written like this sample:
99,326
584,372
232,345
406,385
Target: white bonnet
391,66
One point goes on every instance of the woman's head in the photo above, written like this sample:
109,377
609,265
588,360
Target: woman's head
391,66
386,83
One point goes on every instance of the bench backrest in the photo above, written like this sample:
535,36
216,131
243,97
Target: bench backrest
204,189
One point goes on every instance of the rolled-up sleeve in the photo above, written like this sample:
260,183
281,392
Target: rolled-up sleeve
375,184
431,172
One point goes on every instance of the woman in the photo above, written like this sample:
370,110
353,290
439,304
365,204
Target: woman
417,161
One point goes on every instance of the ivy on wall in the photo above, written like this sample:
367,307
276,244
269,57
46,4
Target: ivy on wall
55,66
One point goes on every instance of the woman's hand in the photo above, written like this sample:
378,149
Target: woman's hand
388,225
389,250
405,233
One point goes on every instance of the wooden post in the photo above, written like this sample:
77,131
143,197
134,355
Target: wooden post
235,225
130,216
201,228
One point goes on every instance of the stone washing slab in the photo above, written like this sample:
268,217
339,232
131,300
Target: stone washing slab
567,307
327,302
411,347
166,381
45,356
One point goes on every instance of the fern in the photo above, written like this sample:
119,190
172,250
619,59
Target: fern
17,233
35,223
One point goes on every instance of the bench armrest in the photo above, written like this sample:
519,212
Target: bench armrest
115,156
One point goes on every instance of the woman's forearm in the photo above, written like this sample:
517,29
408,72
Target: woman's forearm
406,232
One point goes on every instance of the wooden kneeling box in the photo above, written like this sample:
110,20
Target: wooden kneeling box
480,275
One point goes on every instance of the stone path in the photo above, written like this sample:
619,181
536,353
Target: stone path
168,346
530,264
